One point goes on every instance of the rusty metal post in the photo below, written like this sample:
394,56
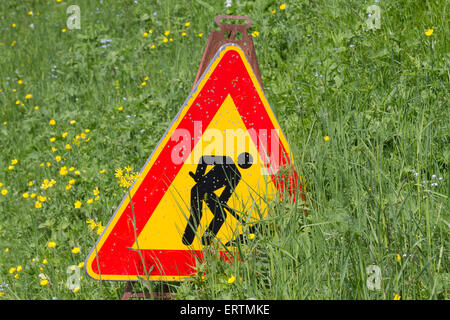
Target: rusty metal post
227,34
128,293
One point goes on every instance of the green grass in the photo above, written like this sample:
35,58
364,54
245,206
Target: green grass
377,189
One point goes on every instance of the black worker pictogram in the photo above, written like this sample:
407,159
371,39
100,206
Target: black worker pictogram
224,173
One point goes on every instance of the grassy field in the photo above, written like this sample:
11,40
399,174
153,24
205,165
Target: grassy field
365,112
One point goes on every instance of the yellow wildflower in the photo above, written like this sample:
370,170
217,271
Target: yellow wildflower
119,173
37,205
100,228
51,244
28,96
4,192
44,282
429,32
231,280
326,138
52,122
91,223
76,250
68,146
77,204
25,195
283,6
63,171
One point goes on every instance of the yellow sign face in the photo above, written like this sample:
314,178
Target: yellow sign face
211,177
165,227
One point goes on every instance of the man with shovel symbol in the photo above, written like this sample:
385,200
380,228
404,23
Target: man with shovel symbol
226,174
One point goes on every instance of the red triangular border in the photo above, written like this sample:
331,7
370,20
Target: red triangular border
229,77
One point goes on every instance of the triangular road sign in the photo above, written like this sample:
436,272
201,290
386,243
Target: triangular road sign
210,177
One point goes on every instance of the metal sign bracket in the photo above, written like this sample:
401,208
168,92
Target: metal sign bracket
230,33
